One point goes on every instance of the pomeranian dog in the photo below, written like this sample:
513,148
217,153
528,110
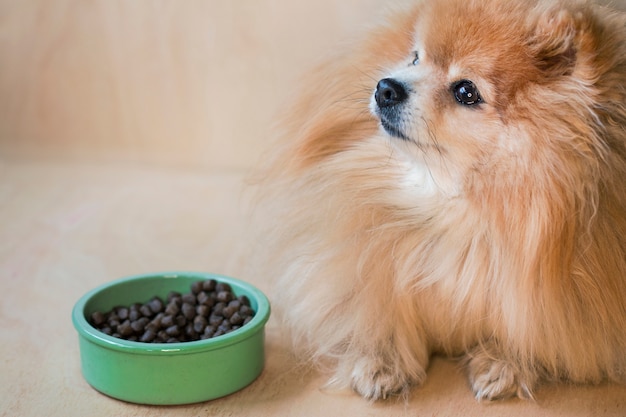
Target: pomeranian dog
456,185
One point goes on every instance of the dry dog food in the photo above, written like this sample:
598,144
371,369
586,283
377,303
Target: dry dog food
211,309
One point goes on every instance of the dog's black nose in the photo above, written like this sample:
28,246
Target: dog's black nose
390,92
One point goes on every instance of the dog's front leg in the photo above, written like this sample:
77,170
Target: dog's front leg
493,377
387,355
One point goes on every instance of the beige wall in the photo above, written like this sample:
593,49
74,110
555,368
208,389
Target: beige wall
181,82
189,82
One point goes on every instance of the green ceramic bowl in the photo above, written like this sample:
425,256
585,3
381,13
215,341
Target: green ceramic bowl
172,373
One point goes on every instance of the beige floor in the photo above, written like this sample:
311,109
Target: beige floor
126,130
71,227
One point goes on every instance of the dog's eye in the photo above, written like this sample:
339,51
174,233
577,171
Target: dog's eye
465,92
416,59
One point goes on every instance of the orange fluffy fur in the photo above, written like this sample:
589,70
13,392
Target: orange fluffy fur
496,233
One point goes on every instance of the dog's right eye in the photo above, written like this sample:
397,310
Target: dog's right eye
465,92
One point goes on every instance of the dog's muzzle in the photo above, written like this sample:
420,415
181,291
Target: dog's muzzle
390,94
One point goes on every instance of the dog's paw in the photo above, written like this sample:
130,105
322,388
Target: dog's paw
375,380
494,379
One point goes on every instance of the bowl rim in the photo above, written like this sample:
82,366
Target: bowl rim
86,330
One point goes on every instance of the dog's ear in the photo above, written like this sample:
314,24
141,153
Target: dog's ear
553,41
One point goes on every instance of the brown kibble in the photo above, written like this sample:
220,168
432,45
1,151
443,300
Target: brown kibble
180,320
209,310
203,310
189,311
227,312
196,287
154,326
199,324
204,298
209,285
146,310
139,325
172,331
189,299
134,315
156,305
244,300
147,336
236,319
190,332
219,308
167,321
215,320
208,331
245,311
125,329
155,323
97,318
224,296
122,313
173,308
